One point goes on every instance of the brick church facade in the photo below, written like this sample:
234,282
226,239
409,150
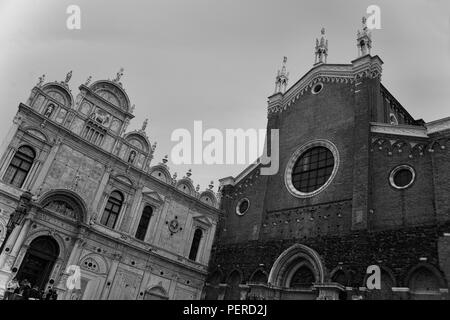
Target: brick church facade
93,204
360,183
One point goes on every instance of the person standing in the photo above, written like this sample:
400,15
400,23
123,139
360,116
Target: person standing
11,287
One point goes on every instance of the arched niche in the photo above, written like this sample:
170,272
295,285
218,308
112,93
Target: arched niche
259,276
425,281
233,291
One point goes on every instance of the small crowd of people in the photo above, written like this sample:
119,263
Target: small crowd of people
25,291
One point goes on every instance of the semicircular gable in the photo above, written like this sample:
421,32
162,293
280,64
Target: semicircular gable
94,263
186,186
59,93
65,203
112,93
138,140
208,197
160,172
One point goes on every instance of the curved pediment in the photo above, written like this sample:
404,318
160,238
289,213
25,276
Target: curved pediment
113,93
138,140
59,93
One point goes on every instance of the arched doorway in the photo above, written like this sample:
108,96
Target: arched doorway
39,261
296,271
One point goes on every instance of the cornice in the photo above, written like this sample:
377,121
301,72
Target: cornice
366,67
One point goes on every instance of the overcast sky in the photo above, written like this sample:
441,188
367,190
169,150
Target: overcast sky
214,60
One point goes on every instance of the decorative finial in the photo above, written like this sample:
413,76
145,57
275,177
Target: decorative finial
68,77
211,185
197,188
175,176
144,125
189,173
165,159
321,50
154,146
282,78
88,81
41,81
119,75
364,39
132,108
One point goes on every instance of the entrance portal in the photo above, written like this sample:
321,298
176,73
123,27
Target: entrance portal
39,261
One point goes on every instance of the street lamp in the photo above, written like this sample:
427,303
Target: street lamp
17,216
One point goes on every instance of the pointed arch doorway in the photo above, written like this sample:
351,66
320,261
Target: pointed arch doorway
39,261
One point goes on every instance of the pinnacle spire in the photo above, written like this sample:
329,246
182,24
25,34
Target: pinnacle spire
364,39
281,80
321,50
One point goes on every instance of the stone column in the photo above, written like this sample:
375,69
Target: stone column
17,121
160,223
9,155
209,243
31,174
222,290
11,241
74,259
110,278
101,189
188,236
129,226
144,282
122,213
21,238
45,167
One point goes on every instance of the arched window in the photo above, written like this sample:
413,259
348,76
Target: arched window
195,244
143,223
20,166
112,209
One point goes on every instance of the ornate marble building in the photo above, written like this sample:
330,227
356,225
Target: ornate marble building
99,205
360,183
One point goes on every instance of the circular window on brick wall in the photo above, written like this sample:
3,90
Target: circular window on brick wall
317,88
242,206
311,168
402,177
